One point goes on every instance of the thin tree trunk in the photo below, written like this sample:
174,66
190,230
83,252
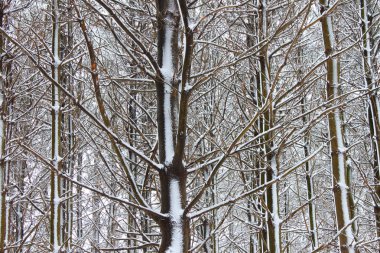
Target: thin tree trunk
253,204
132,224
55,185
271,164
373,102
341,186
96,218
19,219
5,110
66,43
309,184
308,166
111,230
79,230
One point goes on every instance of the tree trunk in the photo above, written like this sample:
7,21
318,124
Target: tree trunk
373,102
95,237
309,184
273,236
5,128
341,186
67,137
308,165
79,213
175,229
55,184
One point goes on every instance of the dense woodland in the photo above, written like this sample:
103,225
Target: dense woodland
189,126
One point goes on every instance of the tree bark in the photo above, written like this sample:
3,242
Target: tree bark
56,151
4,110
373,104
176,228
341,186
273,236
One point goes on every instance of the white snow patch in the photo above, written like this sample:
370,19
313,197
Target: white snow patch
341,161
342,150
55,107
56,201
192,25
167,72
57,61
58,158
330,31
176,213
188,87
343,185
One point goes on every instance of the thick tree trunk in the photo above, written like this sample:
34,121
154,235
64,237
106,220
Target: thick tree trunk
341,186
175,229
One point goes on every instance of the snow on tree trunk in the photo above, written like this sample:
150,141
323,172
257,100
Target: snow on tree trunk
55,222
171,120
79,208
273,222
67,80
5,112
341,186
373,103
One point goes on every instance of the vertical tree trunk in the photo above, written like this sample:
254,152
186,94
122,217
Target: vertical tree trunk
66,43
308,167
272,202
286,212
341,186
79,213
373,104
171,120
273,223
132,224
309,184
3,226
210,220
19,214
253,203
111,230
55,185
96,218
5,111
